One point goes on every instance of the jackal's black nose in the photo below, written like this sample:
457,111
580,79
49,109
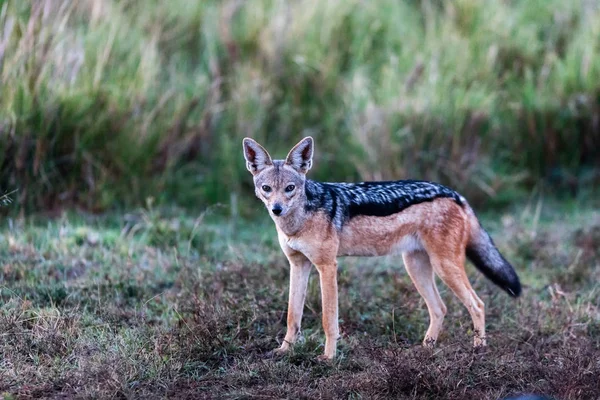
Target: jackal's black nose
277,209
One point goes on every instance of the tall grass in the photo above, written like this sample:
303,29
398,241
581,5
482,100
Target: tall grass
106,102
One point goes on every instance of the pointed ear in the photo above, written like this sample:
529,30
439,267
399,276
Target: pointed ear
300,157
257,158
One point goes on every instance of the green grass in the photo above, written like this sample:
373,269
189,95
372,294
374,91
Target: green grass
105,103
162,303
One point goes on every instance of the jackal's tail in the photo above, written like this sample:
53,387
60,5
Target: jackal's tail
482,252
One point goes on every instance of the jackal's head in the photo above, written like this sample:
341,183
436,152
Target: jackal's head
279,183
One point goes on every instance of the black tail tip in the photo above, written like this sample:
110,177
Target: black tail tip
494,266
514,289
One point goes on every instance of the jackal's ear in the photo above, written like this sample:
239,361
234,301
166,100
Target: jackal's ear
300,157
257,158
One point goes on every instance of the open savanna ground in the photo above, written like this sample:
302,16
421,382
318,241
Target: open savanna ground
162,303
107,102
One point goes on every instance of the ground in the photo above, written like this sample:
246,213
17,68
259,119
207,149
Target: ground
164,303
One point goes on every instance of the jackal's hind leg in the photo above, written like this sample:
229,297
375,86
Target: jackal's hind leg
420,271
453,273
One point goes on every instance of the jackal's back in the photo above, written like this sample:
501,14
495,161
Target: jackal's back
344,201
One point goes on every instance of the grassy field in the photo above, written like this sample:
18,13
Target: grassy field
163,303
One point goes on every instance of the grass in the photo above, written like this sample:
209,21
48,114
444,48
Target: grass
107,102
162,303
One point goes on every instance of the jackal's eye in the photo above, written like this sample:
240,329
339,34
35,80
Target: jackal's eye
266,188
290,188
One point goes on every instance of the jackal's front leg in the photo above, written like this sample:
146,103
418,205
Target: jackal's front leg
299,273
329,299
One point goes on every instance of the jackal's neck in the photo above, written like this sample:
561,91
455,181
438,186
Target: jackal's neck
293,221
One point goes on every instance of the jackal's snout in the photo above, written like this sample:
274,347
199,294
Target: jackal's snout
277,209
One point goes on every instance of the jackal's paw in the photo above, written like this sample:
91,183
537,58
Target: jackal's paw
280,351
324,358
479,342
429,343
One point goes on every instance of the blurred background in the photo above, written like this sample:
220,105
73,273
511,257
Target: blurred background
105,103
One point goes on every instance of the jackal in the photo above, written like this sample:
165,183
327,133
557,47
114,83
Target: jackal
432,226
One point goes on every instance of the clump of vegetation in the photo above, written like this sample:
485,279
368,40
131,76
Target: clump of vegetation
106,102
5,199
104,307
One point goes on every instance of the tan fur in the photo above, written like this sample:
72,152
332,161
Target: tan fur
431,237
